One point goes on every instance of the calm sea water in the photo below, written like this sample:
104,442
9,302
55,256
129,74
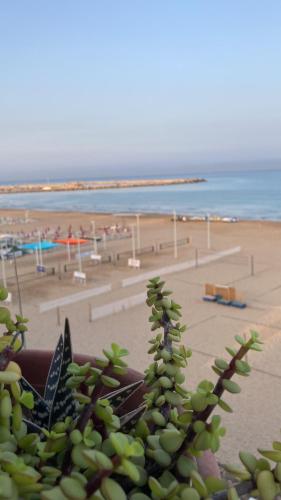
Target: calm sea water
247,195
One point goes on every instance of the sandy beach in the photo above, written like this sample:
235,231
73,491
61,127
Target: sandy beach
254,271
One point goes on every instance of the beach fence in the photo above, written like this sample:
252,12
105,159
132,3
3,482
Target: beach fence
87,261
67,300
210,258
117,306
171,244
26,277
150,249
228,268
142,251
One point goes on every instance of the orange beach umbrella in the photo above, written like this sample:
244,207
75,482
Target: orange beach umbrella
71,241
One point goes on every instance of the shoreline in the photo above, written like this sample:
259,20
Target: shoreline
21,212
94,185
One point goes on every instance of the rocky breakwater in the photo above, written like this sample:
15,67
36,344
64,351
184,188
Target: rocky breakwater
93,185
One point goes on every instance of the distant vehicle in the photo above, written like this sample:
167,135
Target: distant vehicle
212,218
230,219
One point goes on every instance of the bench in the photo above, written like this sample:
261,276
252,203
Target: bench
222,294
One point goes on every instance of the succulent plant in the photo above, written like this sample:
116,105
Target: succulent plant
79,440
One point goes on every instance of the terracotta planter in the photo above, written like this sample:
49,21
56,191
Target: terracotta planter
35,367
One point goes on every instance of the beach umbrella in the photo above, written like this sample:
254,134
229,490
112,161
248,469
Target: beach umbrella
71,241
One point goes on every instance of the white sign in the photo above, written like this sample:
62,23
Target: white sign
79,276
95,256
134,263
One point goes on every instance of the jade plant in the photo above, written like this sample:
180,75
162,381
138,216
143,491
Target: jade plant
80,439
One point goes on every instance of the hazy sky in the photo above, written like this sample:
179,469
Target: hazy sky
113,86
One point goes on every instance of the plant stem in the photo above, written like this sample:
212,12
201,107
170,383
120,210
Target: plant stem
167,344
218,391
95,482
5,357
84,418
89,408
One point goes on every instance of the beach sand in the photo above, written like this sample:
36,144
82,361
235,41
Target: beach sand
255,272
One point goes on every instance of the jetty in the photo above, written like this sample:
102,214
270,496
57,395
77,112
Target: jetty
93,185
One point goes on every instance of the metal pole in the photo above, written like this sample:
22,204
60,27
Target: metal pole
208,232
175,235
68,252
133,242
40,249
4,279
196,257
79,257
138,231
94,236
36,256
18,285
252,266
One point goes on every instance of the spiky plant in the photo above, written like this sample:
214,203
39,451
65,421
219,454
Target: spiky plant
79,440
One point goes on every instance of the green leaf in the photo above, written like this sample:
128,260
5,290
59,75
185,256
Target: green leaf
97,460
3,293
156,488
237,471
249,461
206,386
158,418
6,484
27,399
199,426
119,442
173,398
224,406
274,455
231,386
198,483
160,456
185,465
109,381
266,485
221,364
139,496
240,340
53,494
165,382
217,371
242,366
130,469
5,316
276,445
231,351
256,347
198,402
72,488
171,440
189,494
111,490
215,484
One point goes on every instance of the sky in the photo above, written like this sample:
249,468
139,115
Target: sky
106,87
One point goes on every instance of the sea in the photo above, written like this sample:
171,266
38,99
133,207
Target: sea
254,195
